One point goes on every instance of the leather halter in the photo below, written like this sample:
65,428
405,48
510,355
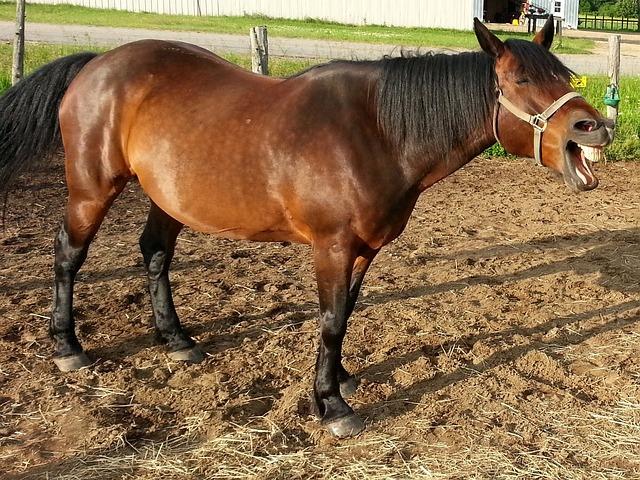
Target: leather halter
538,121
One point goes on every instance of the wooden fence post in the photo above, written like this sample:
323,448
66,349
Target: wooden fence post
614,72
259,50
17,69
559,30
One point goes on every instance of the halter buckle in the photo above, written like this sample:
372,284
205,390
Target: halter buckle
539,123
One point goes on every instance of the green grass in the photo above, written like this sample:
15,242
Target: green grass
312,29
37,55
627,142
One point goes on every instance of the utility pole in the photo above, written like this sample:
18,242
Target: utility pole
17,69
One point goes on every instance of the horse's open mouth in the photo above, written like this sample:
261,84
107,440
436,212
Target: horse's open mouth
579,174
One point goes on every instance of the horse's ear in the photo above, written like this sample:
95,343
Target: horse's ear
491,44
545,36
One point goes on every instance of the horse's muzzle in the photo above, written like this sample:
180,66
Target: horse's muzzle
585,142
592,132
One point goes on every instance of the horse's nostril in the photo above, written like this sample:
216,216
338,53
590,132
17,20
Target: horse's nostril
587,125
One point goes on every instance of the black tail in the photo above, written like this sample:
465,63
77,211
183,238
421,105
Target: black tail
29,127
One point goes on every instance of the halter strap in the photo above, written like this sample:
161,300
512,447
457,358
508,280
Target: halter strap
538,121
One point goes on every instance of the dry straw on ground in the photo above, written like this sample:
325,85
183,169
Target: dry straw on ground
496,339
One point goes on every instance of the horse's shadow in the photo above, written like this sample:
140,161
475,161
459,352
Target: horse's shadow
594,246
411,396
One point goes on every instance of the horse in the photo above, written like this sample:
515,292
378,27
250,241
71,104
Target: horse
334,157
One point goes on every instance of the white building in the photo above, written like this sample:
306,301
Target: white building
455,14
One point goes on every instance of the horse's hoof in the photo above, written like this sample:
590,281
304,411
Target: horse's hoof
72,362
349,387
188,355
345,427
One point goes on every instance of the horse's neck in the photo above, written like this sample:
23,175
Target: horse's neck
436,111
428,167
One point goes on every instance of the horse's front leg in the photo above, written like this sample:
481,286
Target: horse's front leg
157,244
334,267
349,383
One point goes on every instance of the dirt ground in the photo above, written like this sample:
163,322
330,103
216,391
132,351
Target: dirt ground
496,338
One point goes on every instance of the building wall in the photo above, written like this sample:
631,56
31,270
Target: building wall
569,7
455,14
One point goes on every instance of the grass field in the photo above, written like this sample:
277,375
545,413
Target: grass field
626,145
71,15
37,55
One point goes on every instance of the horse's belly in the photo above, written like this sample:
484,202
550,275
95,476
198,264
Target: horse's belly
228,185
243,229
224,208
236,224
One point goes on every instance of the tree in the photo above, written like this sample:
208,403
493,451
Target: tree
628,8
594,6
623,8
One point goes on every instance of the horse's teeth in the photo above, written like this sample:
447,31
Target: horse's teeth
593,154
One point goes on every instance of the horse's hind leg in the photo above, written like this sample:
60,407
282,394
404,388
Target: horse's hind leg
157,244
85,211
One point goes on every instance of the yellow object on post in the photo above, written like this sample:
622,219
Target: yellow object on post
579,82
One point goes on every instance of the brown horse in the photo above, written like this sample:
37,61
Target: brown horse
334,157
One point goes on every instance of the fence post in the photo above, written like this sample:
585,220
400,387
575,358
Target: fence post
559,30
259,50
614,72
17,69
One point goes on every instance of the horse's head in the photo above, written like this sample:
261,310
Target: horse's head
538,114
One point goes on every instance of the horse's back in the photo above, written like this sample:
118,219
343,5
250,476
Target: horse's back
147,69
221,149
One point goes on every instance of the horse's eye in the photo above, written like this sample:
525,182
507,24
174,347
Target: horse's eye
522,81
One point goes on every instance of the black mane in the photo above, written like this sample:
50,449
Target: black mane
432,102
